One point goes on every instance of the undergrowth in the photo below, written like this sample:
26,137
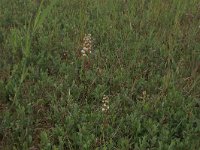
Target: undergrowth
139,88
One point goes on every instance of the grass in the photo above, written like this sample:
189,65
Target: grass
145,65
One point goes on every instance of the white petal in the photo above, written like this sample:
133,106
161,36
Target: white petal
85,49
82,51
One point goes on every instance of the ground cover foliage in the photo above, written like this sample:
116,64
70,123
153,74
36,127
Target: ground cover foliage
144,64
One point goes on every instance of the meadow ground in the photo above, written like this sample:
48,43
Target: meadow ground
138,89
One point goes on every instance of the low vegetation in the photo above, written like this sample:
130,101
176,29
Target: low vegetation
99,74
